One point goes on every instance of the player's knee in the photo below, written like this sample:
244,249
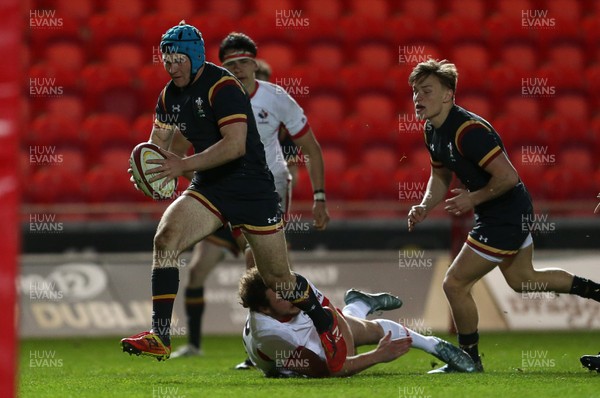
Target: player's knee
515,285
452,286
164,238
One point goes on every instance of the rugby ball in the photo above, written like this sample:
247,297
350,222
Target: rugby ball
140,154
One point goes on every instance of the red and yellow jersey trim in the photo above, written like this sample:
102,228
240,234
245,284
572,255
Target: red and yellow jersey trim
492,251
466,126
224,81
253,229
237,118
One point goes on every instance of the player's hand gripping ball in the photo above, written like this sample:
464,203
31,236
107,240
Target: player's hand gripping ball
137,161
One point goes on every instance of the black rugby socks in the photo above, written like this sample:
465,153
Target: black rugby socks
585,288
194,309
303,297
165,283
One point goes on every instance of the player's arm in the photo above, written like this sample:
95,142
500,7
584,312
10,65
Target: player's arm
387,350
503,178
437,186
180,146
230,147
310,147
481,146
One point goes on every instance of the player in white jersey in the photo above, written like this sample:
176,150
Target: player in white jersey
282,341
273,108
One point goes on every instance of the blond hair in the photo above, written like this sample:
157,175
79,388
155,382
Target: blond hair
444,70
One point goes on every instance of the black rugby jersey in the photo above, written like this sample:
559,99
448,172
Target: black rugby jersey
216,99
465,144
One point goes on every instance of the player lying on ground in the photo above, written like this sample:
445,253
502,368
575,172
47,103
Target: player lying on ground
282,341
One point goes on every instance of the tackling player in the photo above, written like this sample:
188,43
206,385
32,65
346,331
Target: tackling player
209,107
273,108
465,144
282,341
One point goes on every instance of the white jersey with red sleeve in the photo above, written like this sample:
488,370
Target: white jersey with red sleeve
274,346
273,107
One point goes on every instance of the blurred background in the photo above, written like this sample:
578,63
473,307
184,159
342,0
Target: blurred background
92,74
89,75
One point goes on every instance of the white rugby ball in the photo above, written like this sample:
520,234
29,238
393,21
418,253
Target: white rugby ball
140,154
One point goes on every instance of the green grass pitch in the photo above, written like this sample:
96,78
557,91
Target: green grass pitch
517,365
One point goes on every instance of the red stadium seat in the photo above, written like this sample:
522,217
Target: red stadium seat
176,10
558,131
522,57
426,10
68,106
373,107
590,27
55,184
505,27
110,184
375,9
592,82
232,9
334,158
131,9
577,158
54,130
325,55
151,27
151,80
107,28
96,78
376,56
269,8
566,9
474,10
456,29
126,55
141,128
329,107
575,107
568,184
380,158
115,158
73,159
78,11
280,56
329,10
525,108
405,30
327,126
567,56
513,7
567,30
66,55
354,29
478,104
472,61
302,188
103,131
51,80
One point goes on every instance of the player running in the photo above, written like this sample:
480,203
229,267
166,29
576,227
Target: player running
273,108
465,144
282,341
232,184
